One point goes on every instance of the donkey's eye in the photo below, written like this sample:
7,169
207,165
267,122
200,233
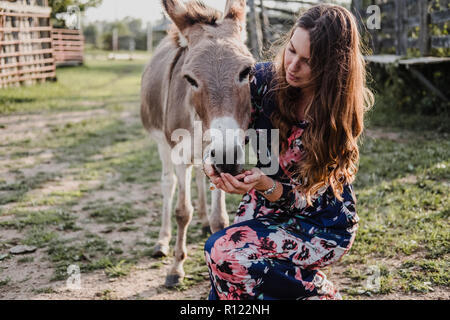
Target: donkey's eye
191,81
244,74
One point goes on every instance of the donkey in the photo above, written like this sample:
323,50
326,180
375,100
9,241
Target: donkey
199,72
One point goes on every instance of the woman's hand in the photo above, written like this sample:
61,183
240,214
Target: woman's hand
209,171
240,184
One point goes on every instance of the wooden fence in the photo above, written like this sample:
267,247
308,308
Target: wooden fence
408,24
68,46
25,43
270,20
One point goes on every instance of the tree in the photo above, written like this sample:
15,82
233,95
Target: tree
91,34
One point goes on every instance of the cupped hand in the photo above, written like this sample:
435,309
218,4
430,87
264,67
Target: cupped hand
240,184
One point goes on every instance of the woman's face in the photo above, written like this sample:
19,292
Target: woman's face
297,59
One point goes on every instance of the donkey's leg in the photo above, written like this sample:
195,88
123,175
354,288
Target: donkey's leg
184,211
201,190
218,219
168,184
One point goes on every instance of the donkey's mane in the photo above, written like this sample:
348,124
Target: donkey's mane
197,13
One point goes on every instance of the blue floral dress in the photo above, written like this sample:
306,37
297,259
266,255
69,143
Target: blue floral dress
274,250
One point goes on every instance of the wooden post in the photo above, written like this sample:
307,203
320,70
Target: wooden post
255,47
264,25
424,32
115,39
2,38
149,37
132,44
357,9
401,27
419,76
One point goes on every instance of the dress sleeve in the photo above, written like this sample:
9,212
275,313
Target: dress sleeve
324,202
258,88
294,199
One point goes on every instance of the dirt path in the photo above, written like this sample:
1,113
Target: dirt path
29,276
88,193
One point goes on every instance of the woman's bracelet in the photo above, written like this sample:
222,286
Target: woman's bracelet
271,190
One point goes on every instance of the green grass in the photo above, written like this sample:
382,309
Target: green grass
402,187
402,190
91,254
94,85
41,218
5,282
92,149
47,290
114,212
121,269
39,237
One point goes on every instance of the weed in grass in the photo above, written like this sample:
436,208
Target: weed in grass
355,274
128,228
5,282
45,290
39,237
16,191
157,265
119,270
421,275
25,260
114,213
92,254
106,295
24,218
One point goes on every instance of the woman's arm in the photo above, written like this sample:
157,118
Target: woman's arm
284,194
267,183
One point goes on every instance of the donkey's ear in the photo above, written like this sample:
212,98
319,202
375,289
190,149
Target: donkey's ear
177,11
236,10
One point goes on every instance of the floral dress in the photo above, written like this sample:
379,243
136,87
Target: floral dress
274,250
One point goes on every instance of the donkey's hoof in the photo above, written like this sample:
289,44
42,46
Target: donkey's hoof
160,251
206,231
172,280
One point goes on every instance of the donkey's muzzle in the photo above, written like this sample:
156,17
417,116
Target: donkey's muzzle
231,163
233,169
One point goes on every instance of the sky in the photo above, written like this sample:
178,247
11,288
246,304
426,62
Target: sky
147,10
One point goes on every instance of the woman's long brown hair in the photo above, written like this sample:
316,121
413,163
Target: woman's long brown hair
341,97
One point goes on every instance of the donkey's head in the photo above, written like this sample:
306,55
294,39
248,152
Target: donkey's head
217,70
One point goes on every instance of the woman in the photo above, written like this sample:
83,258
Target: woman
291,224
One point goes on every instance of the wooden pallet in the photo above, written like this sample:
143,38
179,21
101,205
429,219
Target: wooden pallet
26,53
68,46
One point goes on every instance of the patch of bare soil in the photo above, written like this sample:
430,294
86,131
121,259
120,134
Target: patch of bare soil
22,127
143,282
30,275
383,134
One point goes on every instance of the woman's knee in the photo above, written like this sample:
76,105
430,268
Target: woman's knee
210,242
